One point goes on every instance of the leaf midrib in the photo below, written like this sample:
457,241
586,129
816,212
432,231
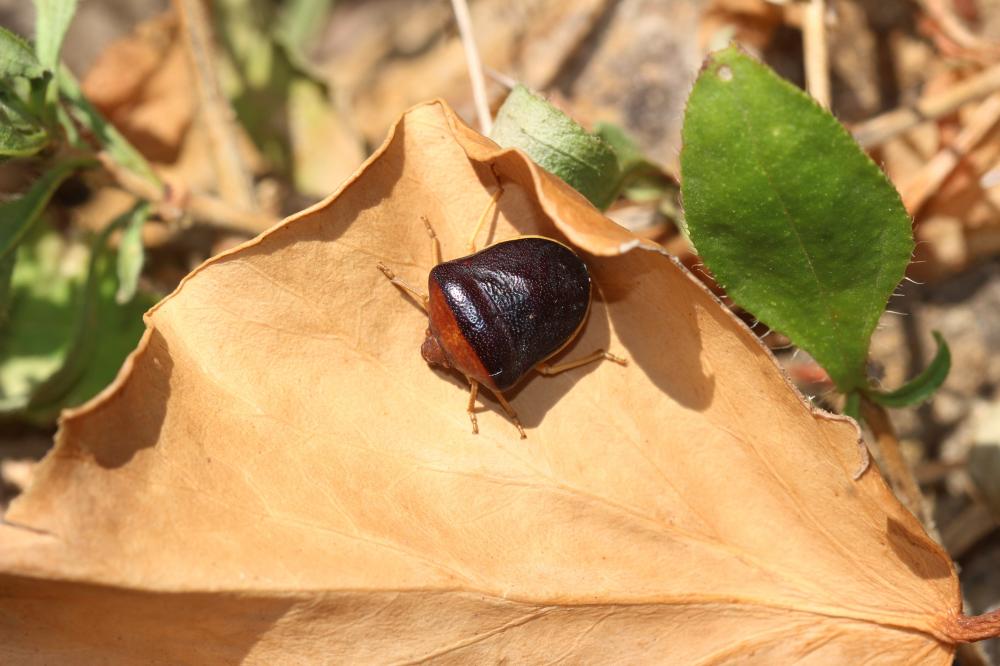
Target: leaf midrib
824,296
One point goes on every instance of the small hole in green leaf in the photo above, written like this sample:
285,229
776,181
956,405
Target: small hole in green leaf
725,73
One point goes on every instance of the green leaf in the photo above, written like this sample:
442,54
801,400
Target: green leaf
131,254
117,145
297,24
641,178
852,406
626,149
559,144
52,19
272,85
17,58
19,215
18,142
794,220
921,387
6,273
66,337
36,335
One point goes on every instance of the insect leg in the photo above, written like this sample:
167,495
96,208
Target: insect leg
599,355
511,413
482,218
473,392
416,295
434,239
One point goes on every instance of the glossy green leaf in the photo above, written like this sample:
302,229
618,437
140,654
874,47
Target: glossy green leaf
19,215
559,144
111,139
17,58
52,19
131,254
793,219
921,387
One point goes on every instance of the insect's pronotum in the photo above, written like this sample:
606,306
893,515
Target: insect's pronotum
496,314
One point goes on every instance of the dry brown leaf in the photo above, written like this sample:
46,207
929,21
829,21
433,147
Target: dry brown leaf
277,476
142,83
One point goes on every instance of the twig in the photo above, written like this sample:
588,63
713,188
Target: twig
235,180
896,468
499,77
817,59
881,128
956,31
474,64
918,189
173,208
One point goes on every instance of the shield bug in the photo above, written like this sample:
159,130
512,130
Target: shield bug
499,313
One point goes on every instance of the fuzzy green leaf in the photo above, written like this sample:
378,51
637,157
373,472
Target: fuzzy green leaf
641,178
924,385
794,220
21,142
52,19
19,215
17,58
111,139
131,254
559,144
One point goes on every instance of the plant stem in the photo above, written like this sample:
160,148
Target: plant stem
172,207
899,472
474,64
918,189
235,180
876,131
817,59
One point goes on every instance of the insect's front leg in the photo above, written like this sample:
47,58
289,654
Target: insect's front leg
421,299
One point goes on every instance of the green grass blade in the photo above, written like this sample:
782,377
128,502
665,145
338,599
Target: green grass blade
794,220
924,385
560,145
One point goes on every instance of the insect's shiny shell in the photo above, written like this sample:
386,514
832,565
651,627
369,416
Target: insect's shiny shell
498,313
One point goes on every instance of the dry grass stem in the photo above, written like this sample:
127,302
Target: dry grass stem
235,179
200,207
918,189
475,65
881,128
896,467
816,55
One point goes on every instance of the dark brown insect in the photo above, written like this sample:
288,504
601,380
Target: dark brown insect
501,312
